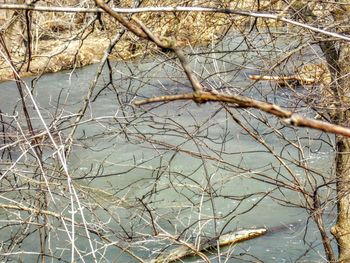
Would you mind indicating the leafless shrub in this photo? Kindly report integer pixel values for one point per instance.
(126, 160)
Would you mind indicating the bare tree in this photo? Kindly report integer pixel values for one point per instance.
(211, 128)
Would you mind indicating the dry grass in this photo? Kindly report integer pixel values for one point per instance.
(63, 41)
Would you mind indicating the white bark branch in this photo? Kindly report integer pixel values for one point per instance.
(277, 17)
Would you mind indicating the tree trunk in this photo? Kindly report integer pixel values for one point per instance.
(337, 55)
(341, 230)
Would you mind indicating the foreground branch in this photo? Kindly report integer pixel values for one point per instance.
(287, 116)
(264, 15)
(201, 96)
(140, 30)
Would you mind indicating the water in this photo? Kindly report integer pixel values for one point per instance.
(178, 169)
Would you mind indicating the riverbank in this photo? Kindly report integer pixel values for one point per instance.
(67, 41)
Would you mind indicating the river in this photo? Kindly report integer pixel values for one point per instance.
(217, 178)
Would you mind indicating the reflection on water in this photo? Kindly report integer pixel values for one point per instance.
(115, 166)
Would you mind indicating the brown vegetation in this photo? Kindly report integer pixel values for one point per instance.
(60, 41)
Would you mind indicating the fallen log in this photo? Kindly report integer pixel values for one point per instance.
(286, 80)
(230, 238)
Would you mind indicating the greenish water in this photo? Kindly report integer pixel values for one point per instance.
(186, 195)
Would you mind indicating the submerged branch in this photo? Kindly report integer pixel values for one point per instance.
(230, 238)
(285, 80)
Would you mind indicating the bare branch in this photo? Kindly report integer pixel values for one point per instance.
(114, 11)
(142, 31)
(241, 101)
